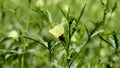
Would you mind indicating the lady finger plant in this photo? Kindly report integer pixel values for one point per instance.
(64, 32)
(63, 35)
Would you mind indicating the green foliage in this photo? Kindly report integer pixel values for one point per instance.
(59, 34)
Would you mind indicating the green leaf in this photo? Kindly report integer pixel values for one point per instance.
(107, 5)
(106, 41)
(102, 2)
(68, 13)
(55, 45)
(98, 25)
(83, 62)
(115, 6)
(93, 22)
(112, 42)
(42, 14)
(4, 39)
(115, 39)
(40, 42)
(49, 16)
(63, 11)
(12, 51)
(7, 56)
(96, 33)
(81, 13)
(87, 30)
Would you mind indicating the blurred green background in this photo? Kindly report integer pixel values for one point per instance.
(15, 14)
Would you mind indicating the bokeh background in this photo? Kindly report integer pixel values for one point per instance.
(15, 14)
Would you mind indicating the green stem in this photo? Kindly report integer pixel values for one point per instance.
(67, 57)
(69, 36)
(99, 57)
(50, 55)
(3, 12)
(22, 58)
(78, 53)
(22, 61)
(27, 23)
(50, 51)
(68, 46)
(25, 42)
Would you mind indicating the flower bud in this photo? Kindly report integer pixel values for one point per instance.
(13, 34)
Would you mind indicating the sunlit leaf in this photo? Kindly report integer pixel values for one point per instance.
(96, 33)
(7, 56)
(112, 41)
(49, 16)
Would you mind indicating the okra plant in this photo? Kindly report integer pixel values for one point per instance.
(41, 41)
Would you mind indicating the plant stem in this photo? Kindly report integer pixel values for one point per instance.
(50, 51)
(3, 12)
(25, 41)
(99, 56)
(68, 46)
(50, 56)
(67, 58)
(22, 58)
(78, 53)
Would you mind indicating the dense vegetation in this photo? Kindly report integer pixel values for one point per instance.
(59, 33)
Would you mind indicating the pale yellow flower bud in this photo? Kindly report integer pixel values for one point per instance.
(13, 34)
(40, 3)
